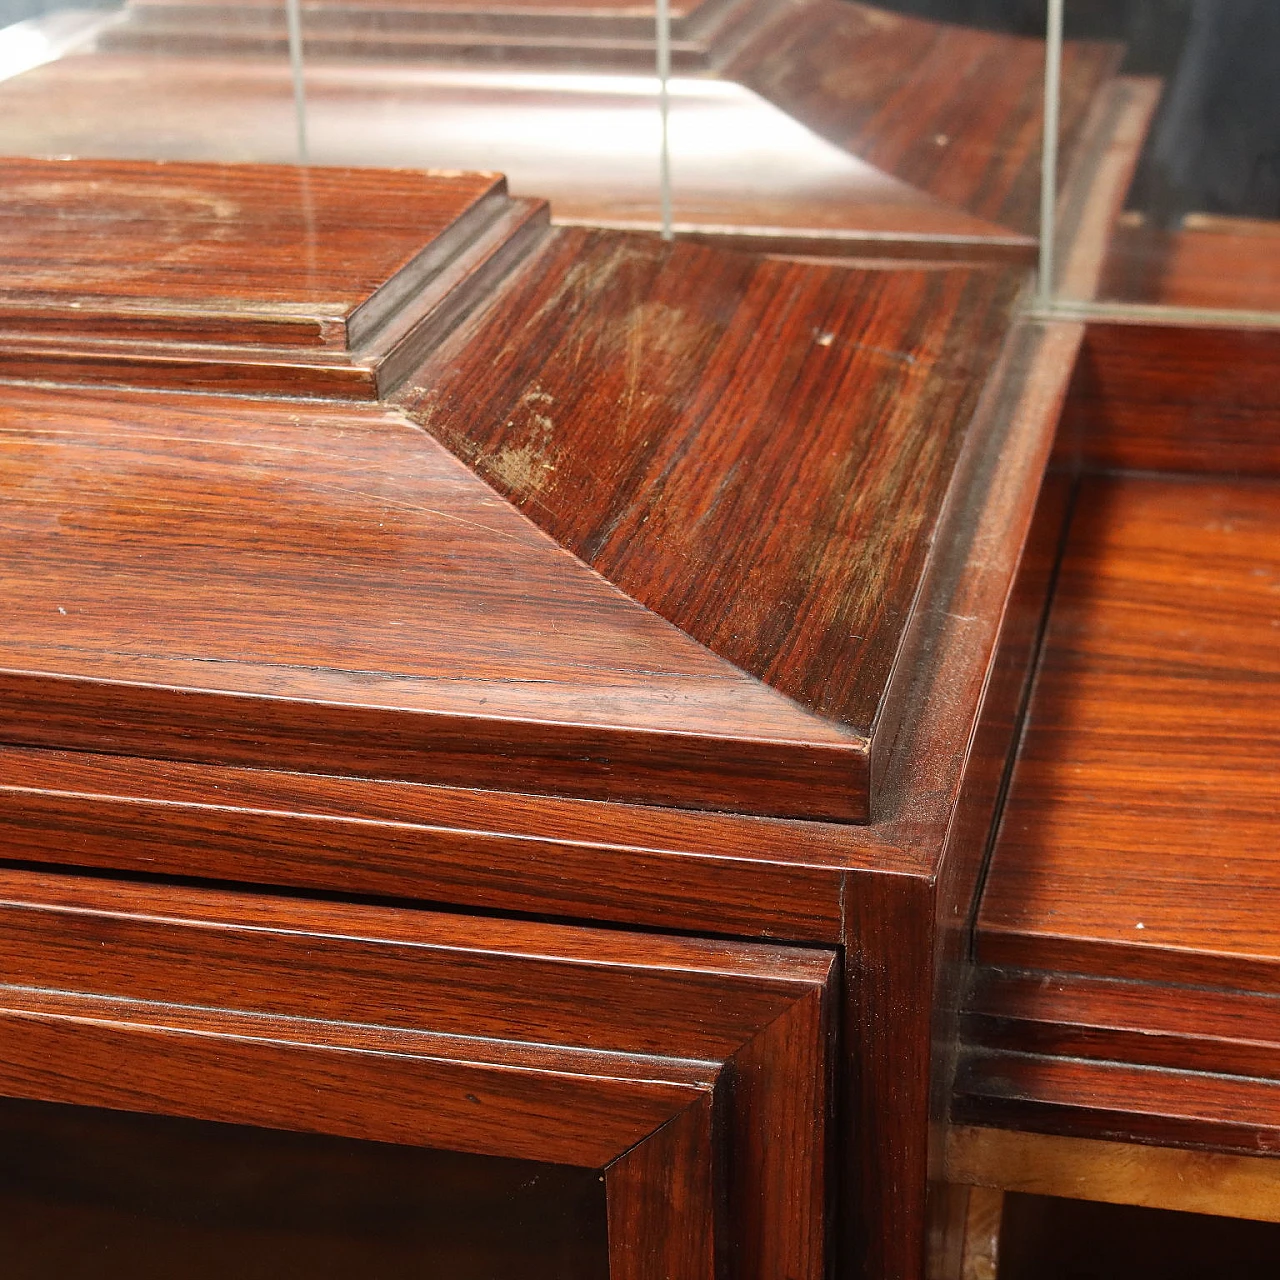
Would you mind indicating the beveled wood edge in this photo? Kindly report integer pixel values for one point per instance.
(1209, 1182)
(1093, 194)
(762, 1072)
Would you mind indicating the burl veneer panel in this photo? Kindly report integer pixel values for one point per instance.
(1139, 835)
(325, 588)
(756, 450)
(954, 111)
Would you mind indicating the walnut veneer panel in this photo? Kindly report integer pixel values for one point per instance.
(1139, 835)
(329, 589)
(757, 450)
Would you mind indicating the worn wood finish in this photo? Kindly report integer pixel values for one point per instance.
(1132, 846)
(243, 279)
(868, 887)
(892, 893)
(354, 661)
(1041, 1164)
(1176, 397)
(494, 1037)
(1118, 1102)
(782, 519)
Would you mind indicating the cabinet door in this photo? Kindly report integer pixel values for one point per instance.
(689, 1077)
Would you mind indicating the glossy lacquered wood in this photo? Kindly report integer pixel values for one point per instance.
(637, 1056)
(826, 127)
(1146, 1023)
(289, 494)
(1118, 1101)
(1138, 838)
(327, 589)
(755, 450)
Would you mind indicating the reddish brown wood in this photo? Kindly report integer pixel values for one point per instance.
(536, 1041)
(781, 519)
(243, 279)
(892, 893)
(1111, 1100)
(1176, 397)
(954, 111)
(1143, 1023)
(1208, 261)
(1139, 833)
(352, 660)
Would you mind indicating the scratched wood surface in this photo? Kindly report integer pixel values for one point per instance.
(230, 249)
(755, 450)
(1139, 835)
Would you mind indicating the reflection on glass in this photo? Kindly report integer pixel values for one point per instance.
(1200, 221)
(94, 1195)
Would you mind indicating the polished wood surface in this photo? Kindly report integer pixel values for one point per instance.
(603, 1050)
(892, 893)
(1206, 261)
(354, 660)
(1169, 396)
(1138, 838)
(743, 171)
(1116, 1101)
(780, 517)
(832, 127)
(243, 279)
(952, 110)
(1153, 1024)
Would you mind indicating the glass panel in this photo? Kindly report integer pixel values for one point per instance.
(1190, 217)
(902, 129)
(92, 1195)
(149, 79)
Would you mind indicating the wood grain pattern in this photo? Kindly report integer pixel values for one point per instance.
(781, 519)
(951, 110)
(1138, 839)
(243, 279)
(1207, 261)
(493, 1037)
(1232, 1186)
(1146, 1023)
(1116, 1101)
(1176, 397)
(354, 658)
